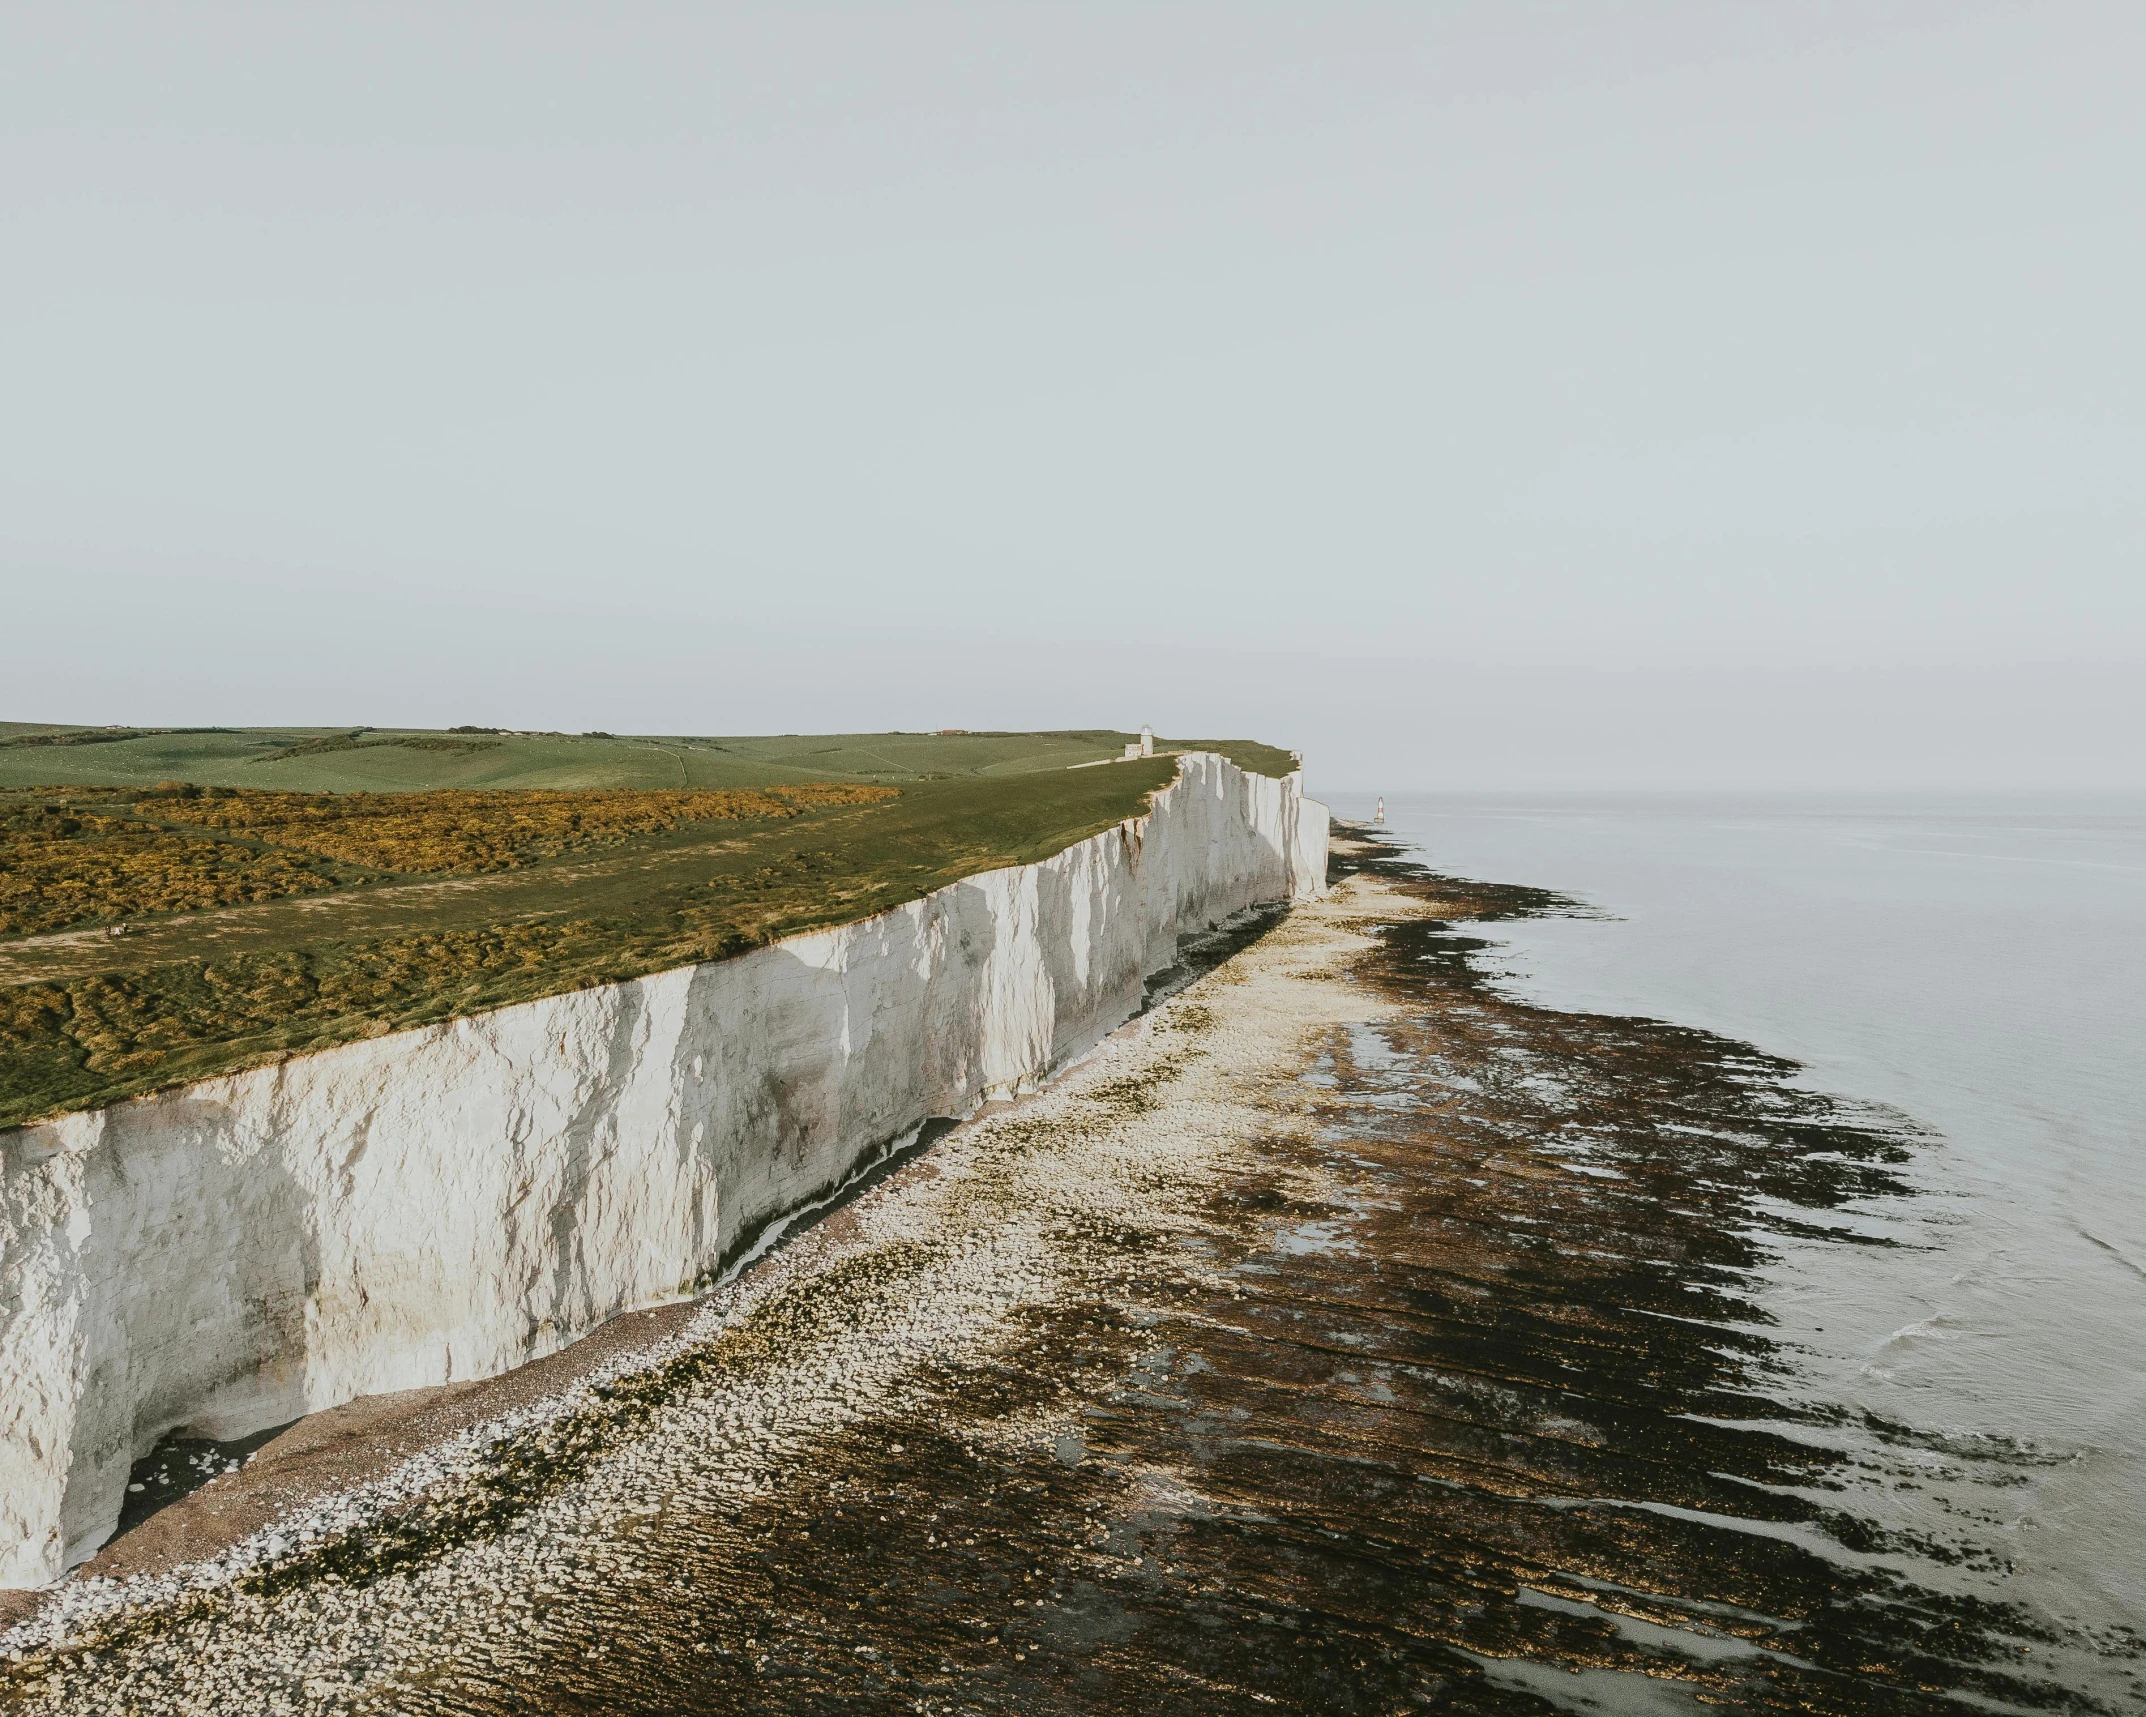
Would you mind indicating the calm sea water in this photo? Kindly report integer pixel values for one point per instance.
(1979, 966)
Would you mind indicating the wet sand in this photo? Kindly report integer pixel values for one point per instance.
(1344, 1337)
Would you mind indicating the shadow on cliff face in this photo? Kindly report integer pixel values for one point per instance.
(179, 1466)
(216, 1349)
(1200, 954)
(1196, 955)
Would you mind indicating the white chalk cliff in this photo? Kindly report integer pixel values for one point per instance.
(447, 1203)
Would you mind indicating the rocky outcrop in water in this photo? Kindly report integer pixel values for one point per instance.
(448, 1203)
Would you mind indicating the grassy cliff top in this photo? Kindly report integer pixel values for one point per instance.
(286, 890)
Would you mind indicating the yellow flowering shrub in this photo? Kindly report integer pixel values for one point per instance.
(469, 832)
(60, 867)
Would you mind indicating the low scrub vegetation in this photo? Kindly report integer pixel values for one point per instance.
(469, 833)
(356, 742)
(63, 864)
(85, 736)
(69, 860)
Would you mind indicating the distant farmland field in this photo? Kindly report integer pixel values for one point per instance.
(380, 760)
(285, 890)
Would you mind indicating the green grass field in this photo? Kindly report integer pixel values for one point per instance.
(382, 760)
(250, 938)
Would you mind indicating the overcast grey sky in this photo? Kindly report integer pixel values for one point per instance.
(1595, 394)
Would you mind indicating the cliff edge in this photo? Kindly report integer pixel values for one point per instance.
(447, 1203)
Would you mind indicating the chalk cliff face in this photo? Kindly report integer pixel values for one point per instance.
(447, 1203)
